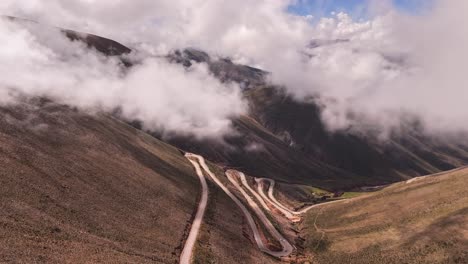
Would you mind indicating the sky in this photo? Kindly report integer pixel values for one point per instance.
(358, 9)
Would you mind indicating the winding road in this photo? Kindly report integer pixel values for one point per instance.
(198, 161)
(435, 174)
(288, 213)
(287, 247)
(186, 256)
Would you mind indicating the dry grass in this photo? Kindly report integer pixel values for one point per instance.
(421, 222)
(76, 188)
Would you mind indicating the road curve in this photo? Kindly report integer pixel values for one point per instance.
(246, 185)
(290, 214)
(285, 211)
(435, 174)
(287, 248)
(187, 252)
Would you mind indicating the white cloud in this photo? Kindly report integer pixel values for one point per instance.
(40, 61)
(393, 64)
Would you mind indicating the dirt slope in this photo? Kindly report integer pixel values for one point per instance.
(78, 188)
(422, 221)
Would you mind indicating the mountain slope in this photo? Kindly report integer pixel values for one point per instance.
(80, 188)
(285, 139)
(258, 152)
(83, 188)
(409, 153)
(423, 220)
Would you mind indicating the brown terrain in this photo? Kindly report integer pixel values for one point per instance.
(79, 188)
(424, 220)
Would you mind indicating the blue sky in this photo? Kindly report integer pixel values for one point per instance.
(356, 8)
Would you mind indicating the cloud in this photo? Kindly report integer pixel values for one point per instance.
(392, 66)
(41, 61)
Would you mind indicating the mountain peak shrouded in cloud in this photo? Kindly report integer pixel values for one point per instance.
(389, 66)
(42, 61)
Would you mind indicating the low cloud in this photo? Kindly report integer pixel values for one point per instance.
(41, 61)
(255, 147)
(385, 69)
(395, 66)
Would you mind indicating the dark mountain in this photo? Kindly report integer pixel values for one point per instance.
(103, 45)
(224, 69)
(410, 152)
(325, 42)
(106, 46)
(290, 139)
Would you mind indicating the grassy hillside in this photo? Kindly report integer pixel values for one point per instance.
(422, 221)
(82, 188)
(78, 188)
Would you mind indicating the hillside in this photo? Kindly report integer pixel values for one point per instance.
(423, 220)
(258, 152)
(82, 188)
(407, 153)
